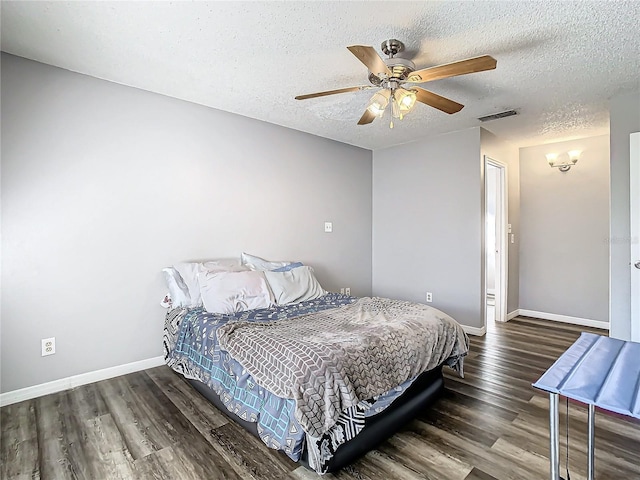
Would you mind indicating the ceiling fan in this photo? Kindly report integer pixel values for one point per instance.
(392, 76)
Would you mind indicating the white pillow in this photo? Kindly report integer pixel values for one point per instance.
(294, 286)
(257, 263)
(178, 291)
(230, 292)
(189, 272)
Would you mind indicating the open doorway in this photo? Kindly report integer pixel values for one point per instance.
(495, 242)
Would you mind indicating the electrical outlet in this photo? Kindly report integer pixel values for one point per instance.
(347, 291)
(429, 297)
(48, 346)
(328, 227)
(342, 291)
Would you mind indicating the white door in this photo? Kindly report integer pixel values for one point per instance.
(495, 255)
(634, 208)
(490, 228)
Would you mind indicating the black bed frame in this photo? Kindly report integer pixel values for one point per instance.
(425, 390)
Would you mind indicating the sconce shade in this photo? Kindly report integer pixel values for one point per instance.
(574, 155)
(551, 158)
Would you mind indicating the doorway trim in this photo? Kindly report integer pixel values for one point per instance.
(634, 230)
(502, 206)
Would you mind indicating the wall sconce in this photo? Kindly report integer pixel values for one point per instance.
(574, 156)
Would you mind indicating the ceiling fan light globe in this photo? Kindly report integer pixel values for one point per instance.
(395, 109)
(408, 101)
(376, 109)
(379, 102)
(405, 100)
(408, 98)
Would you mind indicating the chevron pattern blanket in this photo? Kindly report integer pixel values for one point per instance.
(331, 360)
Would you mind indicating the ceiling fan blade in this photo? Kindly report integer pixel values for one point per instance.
(333, 92)
(470, 65)
(371, 59)
(436, 101)
(367, 117)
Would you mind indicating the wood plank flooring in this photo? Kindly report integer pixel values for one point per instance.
(152, 425)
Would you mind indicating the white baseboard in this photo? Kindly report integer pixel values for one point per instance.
(476, 331)
(55, 386)
(585, 322)
(513, 314)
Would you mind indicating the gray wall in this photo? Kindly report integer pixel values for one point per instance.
(564, 249)
(427, 223)
(507, 153)
(624, 119)
(103, 185)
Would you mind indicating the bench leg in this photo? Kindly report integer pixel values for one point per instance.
(554, 437)
(591, 470)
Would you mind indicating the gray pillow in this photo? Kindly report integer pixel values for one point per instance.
(294, 286)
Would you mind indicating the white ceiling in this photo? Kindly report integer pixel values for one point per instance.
(558, 62)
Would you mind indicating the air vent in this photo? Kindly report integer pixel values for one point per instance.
(495, 116)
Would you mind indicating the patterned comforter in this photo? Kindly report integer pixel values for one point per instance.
(331, 360)
(192, 348)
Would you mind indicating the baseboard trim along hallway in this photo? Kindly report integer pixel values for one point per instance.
(585, 322)
(477, 331)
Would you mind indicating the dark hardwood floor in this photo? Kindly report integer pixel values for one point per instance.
(152, 425)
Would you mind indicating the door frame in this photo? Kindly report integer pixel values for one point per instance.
(634, 211)
(502, 209)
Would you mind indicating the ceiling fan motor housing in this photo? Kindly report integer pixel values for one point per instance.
(400, 68)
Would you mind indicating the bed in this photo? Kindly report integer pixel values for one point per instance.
(323, 379)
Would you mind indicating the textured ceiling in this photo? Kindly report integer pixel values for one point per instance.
(558, 62)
